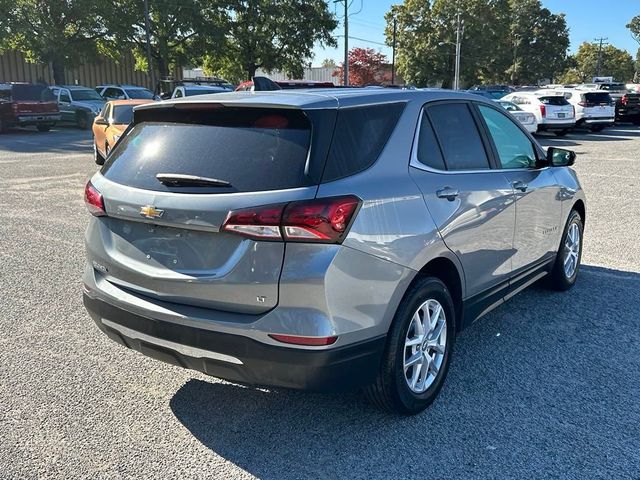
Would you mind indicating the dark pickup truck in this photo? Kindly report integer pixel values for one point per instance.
(23, 104)
(627, 102)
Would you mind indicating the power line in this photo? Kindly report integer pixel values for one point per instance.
(601, 41)
(364, 40)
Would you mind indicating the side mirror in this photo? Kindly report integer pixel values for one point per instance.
(559, 157)
(101, 121)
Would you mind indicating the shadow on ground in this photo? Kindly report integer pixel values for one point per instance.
(529, 392)
(57, 140)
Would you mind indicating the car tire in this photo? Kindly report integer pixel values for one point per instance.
(97, 157)
(392, 389)
(43, 128)
(82, 121)
(597, 128)
(561, 133)
(562, 278)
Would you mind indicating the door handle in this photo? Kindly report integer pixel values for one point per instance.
(448, 193)
(520, 185)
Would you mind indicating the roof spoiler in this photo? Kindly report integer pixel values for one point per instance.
(264, 84)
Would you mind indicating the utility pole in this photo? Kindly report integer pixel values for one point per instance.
(345, 66)
(393, 54)
(601, 41)
(147, 28)
(459, 33)
(515, 59)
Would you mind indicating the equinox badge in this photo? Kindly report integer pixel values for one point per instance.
(149, 211)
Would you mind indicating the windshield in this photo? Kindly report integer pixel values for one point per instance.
(85, 94)
(140, 93)
(123, 114)
(39, 93)
(252, 149)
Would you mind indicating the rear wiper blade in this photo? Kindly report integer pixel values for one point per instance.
(183, 180)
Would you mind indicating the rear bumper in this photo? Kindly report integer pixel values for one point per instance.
(36, 118)
(556, 125)
(238, 358)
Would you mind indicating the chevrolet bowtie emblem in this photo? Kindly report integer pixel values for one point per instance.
(149, 211)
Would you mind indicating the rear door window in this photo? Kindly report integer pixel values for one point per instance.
(429, 153)
(254, 149)
(459, 137)
(359, 137)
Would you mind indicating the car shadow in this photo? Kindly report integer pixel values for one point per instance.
(57, 140)
(547, 383)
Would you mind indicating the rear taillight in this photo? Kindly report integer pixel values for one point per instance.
(624, 100)
(543, 110)
(323, 220)
(93, 200)
(259, 222)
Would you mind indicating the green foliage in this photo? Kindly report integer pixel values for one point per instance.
(503, 41)
(328, 63)
(615, 62)
(179, 30)
(634, 27)
(271, 35)
(61, 32)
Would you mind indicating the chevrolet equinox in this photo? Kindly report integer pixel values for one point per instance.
(326, 239)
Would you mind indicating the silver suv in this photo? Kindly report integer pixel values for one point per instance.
(324, 240)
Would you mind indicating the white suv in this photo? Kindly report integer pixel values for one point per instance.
(553, 112)
(595, 109)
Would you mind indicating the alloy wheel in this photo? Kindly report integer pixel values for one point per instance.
(424, 346)
(571, 250)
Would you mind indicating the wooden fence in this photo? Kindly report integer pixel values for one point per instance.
(14, 68)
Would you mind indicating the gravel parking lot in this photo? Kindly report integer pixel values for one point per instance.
(546, 386)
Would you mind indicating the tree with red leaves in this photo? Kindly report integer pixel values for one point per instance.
(366, 67)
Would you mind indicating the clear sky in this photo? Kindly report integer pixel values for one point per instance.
(587, 19)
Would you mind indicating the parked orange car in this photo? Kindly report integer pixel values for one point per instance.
(114, 118)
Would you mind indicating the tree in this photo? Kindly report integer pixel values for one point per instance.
(366, 67)
(542, 41)
(502, 41)
(271, 35)
(328, 63)
(634, 27)
(63, 33)
(615, 62)
(179, 30)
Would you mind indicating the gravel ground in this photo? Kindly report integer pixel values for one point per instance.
(546, 386)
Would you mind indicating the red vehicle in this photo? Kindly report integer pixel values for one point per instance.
(23, 104)
(252, 85)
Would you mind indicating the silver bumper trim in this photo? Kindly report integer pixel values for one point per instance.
(178, 347)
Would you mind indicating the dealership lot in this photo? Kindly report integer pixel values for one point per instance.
(544, 386)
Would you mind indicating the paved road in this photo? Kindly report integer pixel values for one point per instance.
(546, 386)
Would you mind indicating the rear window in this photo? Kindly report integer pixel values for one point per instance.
(555, 100)
(254, 149)
(614, 87)
(38, 93)
(360, 135)
(598, 98)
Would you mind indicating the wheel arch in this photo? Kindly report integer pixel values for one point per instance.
(579, 207)
(450, 273)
